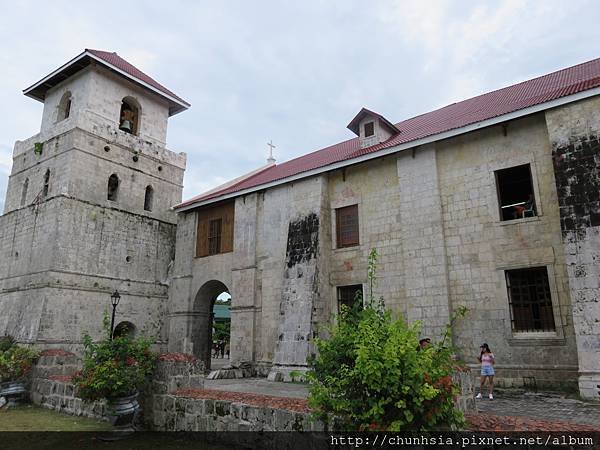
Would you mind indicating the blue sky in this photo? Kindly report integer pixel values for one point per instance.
(294, 72)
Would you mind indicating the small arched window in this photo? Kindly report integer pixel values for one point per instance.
(113, 187)
(24, 191)
(46, 187)
(64, 107)
(148, 198)
(129, 115)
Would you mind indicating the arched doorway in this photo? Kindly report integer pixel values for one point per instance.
(209, 327)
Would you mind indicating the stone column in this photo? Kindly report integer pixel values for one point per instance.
(243, 275)
(301, 294)
(574, 132)
(423, 241)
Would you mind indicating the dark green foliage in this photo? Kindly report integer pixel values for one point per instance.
(222, 330)
(114, 368)
(15, 361)
(371, 374)
(6, 342)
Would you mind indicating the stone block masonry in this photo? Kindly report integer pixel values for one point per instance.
(300, 287)
(574, 132)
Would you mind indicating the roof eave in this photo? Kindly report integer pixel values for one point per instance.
(175, 105)
(407, 145)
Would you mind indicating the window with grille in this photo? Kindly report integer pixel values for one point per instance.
(369, 129)
(349, 295)
(347, 226)
(530, 300)
(214, 236)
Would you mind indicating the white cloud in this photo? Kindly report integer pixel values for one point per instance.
(294, 72)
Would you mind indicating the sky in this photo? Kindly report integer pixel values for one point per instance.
(292, 72)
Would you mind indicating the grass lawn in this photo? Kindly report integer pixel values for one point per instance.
(32, 428)
(32, 418)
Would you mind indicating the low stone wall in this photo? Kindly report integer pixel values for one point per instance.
(62, 396)
(465, 400)
(51, 385)
(177, 401)
(180, 413)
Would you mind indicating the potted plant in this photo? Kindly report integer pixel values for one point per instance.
(116, 370)
(15, 364)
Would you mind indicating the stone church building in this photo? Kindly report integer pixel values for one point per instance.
(492, 203)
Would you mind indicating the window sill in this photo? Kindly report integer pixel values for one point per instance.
(532, 339)
(346, 249)
(216, 254)
(518, 221)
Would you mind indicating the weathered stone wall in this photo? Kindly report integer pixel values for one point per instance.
(574, 132)
(373, 187)
(433, 215)
(51, 385)
(176, 401)
(96, 96)
(189, 414)
(65, 252)
(254, 275)
(423, 241)
(80, 164)
(480, 247)
(63, 260)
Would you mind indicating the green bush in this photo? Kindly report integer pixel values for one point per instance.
(15, 361)
(6, 342)
(372, 375)
(114, 368)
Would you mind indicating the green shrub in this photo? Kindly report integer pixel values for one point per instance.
(15, 361)
(6, 342)
(372, 375)
(114, 368)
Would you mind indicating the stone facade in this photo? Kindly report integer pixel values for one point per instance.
(66, 247)
(574, 133)
(433, 214)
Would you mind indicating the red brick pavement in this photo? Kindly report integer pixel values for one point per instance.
(487, 422)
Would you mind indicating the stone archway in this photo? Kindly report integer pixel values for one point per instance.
(202, 325)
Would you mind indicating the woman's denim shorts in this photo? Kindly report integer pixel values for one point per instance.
(487, 371)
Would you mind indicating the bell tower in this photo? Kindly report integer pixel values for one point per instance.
(88, 205)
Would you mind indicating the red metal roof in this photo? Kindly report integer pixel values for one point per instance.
(115, 60)
(457, 115)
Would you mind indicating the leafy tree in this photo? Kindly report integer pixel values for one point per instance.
(371, 374)
(114, 368)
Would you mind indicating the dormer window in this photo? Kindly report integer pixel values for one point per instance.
(129, 115)
(372, 128)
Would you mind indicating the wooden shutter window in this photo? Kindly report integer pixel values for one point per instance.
(347, 226)
(214, 236)
(215, 230)
(228, 222)
(201, 236)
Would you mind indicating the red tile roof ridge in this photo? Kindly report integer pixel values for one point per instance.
(113, 58)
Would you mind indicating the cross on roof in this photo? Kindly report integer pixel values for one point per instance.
(270, 159)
